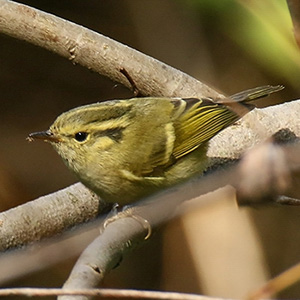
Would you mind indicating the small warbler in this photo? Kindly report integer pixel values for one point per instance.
(125, 150)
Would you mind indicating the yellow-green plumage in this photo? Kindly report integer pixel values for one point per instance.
(125, 150)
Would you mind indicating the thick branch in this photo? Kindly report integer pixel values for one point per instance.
(97, 52)
(255, 128)
(48, 216)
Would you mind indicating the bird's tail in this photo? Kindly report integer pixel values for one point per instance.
(239, 102)
(255, 93)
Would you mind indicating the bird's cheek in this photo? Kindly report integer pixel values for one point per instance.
(68, 154)
(103, 144)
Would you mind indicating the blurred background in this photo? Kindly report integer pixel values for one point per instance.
(230, 45)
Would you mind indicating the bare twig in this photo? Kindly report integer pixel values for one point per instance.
(285, 200)
(107, 293)
(277, 284)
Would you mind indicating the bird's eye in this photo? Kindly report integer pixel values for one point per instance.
(80, 136)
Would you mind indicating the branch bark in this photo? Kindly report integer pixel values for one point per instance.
(48, 216)
(107, 293)
(97, 52)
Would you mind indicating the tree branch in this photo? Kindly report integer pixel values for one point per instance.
(107, 293)
(48, 216)
(97, 52)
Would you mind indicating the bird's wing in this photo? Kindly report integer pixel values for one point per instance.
(192, 123)
(196, 121)
(201, 120)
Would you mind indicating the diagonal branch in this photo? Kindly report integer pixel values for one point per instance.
(97, 52)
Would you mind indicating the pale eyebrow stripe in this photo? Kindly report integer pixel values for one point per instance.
(110, 124)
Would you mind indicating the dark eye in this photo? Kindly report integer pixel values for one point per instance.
(81, 136)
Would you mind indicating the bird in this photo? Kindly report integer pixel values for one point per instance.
(126, 150)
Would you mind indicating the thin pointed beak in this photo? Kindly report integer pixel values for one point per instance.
(46, 136)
